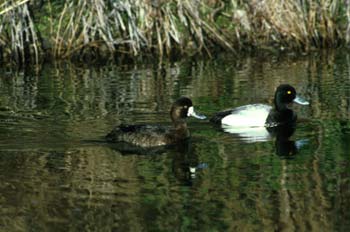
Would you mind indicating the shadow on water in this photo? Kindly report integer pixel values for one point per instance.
(52, 180)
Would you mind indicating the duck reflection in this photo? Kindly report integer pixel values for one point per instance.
(186, 164)
(129, 149)
(282, 134)
(185, 161)
(284, 146)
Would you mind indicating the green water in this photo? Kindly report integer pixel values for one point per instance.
(57, 174)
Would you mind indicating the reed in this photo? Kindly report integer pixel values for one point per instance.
(103, 28)
(18, 37)
(135, 26)
(302, 24)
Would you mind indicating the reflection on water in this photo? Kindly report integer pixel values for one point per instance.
(56, 173)
(249, 134)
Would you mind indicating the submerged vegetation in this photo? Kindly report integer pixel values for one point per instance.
(86, 29)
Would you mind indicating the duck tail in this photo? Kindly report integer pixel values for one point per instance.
(215, 119)
(219, 116)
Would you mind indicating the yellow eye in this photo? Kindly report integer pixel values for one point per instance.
(289, 92)
(185, 106)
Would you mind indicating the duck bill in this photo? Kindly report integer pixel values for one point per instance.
(301, 101)
(192, 113)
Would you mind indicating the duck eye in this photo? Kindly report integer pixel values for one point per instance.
(289, 92)
(185, 107)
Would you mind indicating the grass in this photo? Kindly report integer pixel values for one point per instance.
(95, 29)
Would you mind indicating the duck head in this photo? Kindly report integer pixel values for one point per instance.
(285, 95)
(183, 108)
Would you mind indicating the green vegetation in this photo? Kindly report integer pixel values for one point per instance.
(101, 29)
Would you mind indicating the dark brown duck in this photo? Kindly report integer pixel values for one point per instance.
(155, 135)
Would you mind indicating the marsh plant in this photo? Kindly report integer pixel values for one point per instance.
(18, 36)
(30, 30)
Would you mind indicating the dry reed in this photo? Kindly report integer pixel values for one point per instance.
(18, 36)
(133, 26)
(302, 24)
(101, 28)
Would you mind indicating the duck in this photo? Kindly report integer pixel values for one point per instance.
(146, 136)
(255, 119)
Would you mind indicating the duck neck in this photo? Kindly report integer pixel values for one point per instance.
(280, 107)
(283, 110)
(179, 123)
(181, 129)
(284, 114)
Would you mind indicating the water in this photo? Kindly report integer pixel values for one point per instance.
(57, 174)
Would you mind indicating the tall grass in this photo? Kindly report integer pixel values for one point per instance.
(101, 28)
(18, 36)
(134, 26)
(302, 24)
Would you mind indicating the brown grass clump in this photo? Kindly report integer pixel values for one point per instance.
(102, 28)
(301, 24)
(133, 26)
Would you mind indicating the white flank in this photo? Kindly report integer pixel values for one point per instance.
(248, 122)
(247, 116)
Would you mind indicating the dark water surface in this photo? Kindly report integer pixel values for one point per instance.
(56, 174)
